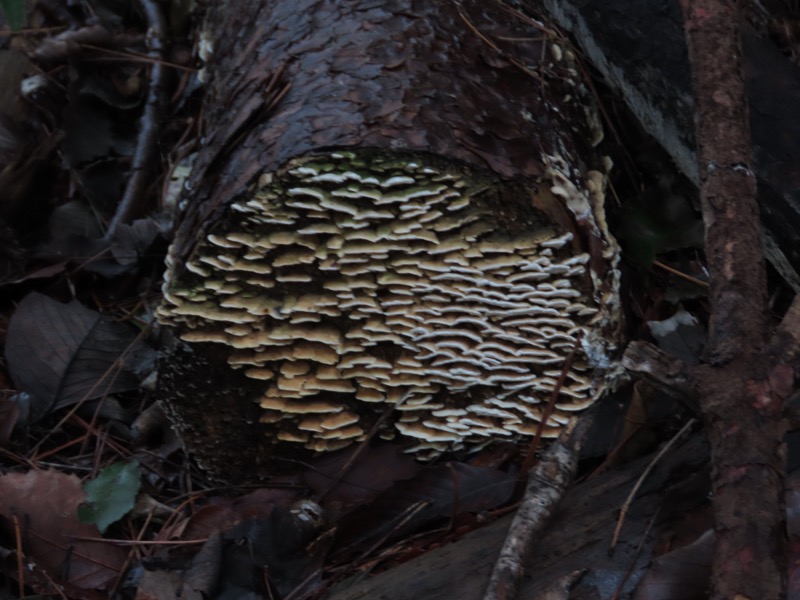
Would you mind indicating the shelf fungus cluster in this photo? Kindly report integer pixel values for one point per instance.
(435, 302)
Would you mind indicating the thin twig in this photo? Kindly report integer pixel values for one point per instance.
(545, 488)
(148, 123)
(20, 557)
(681, 274)
(629, 500)
(137, 542)
(133, 551)
(399, 522)
(550, 407)
(632, 565)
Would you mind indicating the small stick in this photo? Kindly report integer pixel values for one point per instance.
(20, 557)
(549, 408)
(629, 500)
(635, 557)
(546, 486)
(148, 123)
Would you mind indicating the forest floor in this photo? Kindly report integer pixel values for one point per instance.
(97, 498)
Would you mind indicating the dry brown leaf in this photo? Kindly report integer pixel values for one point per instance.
(45, 504)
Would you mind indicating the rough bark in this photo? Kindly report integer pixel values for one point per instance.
(388, 75)
(743, 412)
(744, 382)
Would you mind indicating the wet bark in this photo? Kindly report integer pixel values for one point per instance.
(742, 407)
(288, 78)
(745, 380)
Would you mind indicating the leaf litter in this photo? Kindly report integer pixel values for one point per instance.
(43, 506)
(111, 495)
(63, 354)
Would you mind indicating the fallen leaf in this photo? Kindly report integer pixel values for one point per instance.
(111, 495)
(130, 242)
(43, 273)
(45, 504)
(373, 471)
(64, 353)
(683, 573)
(276, 546)
(161, 585)
(223, 514)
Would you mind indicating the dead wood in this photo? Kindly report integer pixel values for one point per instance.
(578, 539)
(253, 133)
(742, 406)
(463, 82)
(547, 483)
(745, 379)
(149, 122)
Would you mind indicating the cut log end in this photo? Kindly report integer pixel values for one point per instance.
(354, 280)
(410, 227)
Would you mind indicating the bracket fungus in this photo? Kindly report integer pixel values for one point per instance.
(461, 329)
(428, 282)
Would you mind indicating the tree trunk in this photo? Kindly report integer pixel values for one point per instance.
(320, 115)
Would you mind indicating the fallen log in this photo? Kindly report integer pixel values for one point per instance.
(358, 252)
(578, 540)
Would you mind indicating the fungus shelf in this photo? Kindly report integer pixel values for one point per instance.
(437, 264)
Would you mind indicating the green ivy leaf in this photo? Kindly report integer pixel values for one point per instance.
(14, 10)
(111, 495)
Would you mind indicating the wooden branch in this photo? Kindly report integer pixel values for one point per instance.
(659, 369)
(149, 122)
(546, 486)
(727, 183)
(742, 412)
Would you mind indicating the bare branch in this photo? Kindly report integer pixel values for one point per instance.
(148, 123)
(727, 184)
(742, 409)
(546, 486)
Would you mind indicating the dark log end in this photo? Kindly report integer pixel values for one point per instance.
(419, 231)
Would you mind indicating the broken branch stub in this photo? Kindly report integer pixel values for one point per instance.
(417, 223)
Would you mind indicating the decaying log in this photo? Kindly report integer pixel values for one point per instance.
(377, 183)
(644, 60)
(577, 540)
